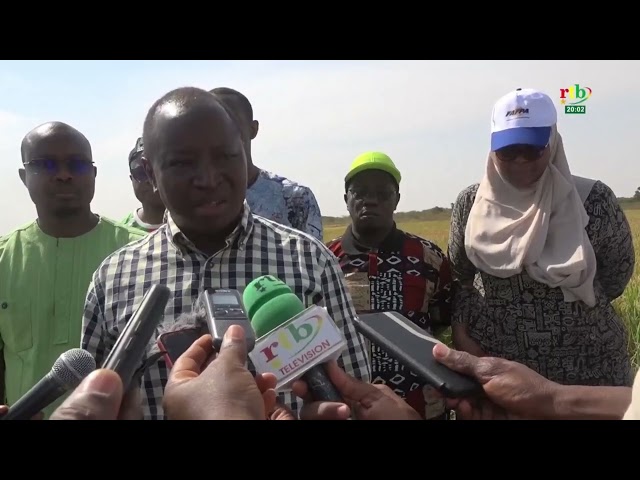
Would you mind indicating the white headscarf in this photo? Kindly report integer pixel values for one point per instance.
(540, 229)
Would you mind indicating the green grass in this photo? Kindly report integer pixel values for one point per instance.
(628, 305)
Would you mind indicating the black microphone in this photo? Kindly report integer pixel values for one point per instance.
(130, 347)
(66, 374)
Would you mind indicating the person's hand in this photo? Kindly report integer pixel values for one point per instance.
(367, 401)
(512, 390)
(5, 408)
(281, 412)
(100, 397)
(463, 341)
(202, 386)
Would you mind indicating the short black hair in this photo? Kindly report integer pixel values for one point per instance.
(185, 97)
(225, 94)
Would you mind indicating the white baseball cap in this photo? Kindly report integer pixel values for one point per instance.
(522, 117)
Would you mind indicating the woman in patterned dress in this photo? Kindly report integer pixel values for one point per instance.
(538, 255)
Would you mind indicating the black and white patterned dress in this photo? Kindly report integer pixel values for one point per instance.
(520, 319)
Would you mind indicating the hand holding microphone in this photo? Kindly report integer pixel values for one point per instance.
(368, 401)
(66, 374)
(100, 396)
(5, 408)
(206, 386)
(293, 342)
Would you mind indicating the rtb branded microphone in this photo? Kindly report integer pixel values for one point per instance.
(293, 342)
(66, 374)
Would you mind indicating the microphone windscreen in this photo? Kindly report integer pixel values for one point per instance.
(72, 367)
(195, 319)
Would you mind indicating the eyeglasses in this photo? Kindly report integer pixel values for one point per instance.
(76, 166)
(379, 195)
(139, 174)
(528, 152)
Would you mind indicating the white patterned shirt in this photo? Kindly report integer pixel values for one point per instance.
(256, 247)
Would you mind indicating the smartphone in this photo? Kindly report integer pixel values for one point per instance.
(174, 344)
(127, 354)
(413, 347)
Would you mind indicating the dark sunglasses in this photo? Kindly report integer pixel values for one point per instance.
(528, 152)
(380, 195)
(139, 174)
(51, 167)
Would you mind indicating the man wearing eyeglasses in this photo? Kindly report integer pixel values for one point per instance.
(46, 265)
(390, 270)
(151, 213)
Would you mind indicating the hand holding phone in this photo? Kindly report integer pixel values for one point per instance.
(413, 347)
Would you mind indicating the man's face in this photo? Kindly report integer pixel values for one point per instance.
(142, 187)
(371, 199)
(522, 165)
(199, 167)
(59, 174)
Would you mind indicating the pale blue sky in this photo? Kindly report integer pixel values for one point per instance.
(431, 117)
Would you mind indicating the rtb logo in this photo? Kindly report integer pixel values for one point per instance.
(574, 97)
(294, 338)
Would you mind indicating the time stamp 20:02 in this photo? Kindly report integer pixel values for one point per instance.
(575, 109)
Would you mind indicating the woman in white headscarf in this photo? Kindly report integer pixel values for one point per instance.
(539, 254)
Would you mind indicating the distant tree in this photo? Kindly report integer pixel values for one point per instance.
(637, 194)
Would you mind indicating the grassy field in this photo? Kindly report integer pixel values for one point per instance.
(628, 305)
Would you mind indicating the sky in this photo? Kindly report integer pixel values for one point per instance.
(431, 117)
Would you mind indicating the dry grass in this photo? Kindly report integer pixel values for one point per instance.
(628, 305)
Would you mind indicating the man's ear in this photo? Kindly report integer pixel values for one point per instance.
(255, 126)
(95, 172)
(23, 176)
(397, 201)
(345, 199)
(148, 169)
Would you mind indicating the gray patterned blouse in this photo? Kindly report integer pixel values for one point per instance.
(520, 319)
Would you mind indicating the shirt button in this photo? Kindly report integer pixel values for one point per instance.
(4, 305)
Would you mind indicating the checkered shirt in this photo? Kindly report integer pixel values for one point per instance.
(256, 247)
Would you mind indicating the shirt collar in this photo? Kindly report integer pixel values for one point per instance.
(240, 234)
(351, 246)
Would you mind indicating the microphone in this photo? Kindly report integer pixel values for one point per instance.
(176, 338)
(293, 342)
(66, 374)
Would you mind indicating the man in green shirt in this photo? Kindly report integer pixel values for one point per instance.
(47, 265)
(151, 214)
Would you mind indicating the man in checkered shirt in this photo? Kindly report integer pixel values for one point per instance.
(195, 159)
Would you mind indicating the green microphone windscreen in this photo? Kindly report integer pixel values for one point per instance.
(269, 303)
